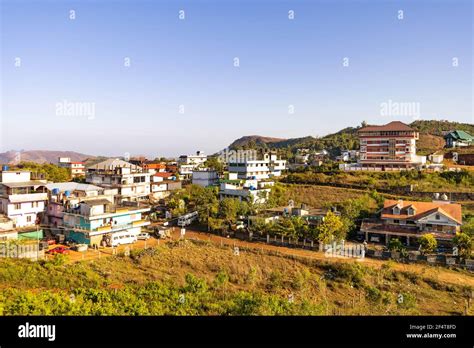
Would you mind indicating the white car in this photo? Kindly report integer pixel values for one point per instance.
(143, 236)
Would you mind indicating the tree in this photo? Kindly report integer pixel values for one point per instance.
(228, 209)
(428, 243)
(51, 172)
(215, 164)
(395, 245)
(332, 228)
(463, 242)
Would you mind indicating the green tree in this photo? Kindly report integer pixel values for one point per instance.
(215, 164)
(228, 210)
(395, 245)
(332, 228)
(428, 243)
(463, 242)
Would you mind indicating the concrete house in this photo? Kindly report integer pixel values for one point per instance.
(22, 200)
(131, 181)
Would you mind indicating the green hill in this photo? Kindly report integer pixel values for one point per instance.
(431, 139)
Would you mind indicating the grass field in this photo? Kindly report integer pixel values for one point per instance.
(198, 278)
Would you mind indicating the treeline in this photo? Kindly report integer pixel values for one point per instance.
(50, 171)
(385, 181)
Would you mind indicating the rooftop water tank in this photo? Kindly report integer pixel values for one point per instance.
(55, 191)
(4, 167)
(67, 193)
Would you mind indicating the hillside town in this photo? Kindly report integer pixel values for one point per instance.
(235, 193)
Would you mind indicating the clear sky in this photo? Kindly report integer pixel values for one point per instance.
(286, 65)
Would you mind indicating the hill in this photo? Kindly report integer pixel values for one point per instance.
(200, 278)
(431, 139)
(40, 156)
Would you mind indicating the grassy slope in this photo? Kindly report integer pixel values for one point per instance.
(251, 283)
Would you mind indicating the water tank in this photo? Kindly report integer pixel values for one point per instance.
(252, 188)
(67, 193)
(436, 195)
(55, 191)
(4, 168)
(444, 197)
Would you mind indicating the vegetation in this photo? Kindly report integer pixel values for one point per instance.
(462, 181)
(463, 242)
(51, 172)
(196, 278)
(431, 139)
(428, 243)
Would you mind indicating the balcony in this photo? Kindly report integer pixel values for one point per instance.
(28, 197)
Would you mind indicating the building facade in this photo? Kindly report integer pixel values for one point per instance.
(409, 220)
(391, 146)
(131, 181)
(78, 168)
(22, 200)
(94, 222)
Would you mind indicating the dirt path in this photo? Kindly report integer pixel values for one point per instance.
(439, 273)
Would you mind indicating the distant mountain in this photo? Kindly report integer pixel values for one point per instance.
(41, 156)
(431, 139)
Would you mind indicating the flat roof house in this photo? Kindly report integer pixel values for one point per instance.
(21, 199)
(95, 221)
(131, 181)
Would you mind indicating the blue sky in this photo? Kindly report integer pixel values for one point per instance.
(190, 62)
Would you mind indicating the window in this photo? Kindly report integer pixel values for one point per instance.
(396, 221)
(17, 206)
(438, 217)
(28, 218)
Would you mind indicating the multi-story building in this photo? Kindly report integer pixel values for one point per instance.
(391, 146)
(96, 221)
(22, 200)
(265, 168)
(256, 191)
(205, 178)
(162, 184)
(65, 194)
(409, 220)
(77, 169)
(131, 181)
(188, 163)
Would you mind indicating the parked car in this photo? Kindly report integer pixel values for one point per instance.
(143, 236)
(59, 250)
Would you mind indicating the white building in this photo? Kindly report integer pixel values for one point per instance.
(205, 178)
(77, 168)
(188, 163)
(63, 195)
(256, 191)
(22, 199)
(131, 181)
(265, 168)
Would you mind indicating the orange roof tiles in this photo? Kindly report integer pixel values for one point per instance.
(451, 210)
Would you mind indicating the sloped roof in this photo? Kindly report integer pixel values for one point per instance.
(460, 135)
(112, 164)
(392, 126)
(422, 209)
